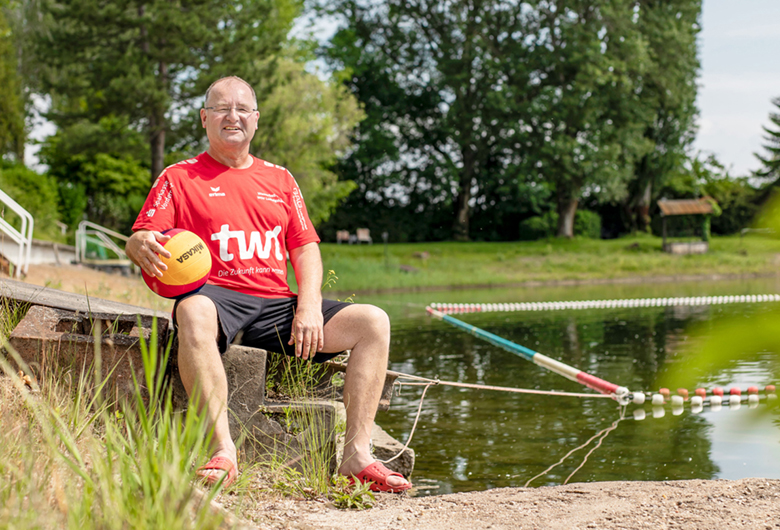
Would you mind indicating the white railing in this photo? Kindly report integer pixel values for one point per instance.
(89, 232)
(23, 237)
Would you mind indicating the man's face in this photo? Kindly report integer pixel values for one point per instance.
(230, 122)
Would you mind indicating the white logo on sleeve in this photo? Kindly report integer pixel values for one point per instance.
(255, 243)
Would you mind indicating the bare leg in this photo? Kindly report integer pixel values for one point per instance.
(200, 365)
(365, 330)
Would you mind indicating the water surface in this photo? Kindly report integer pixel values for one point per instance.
(471, 440)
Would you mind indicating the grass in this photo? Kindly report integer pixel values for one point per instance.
(367, 268)
(69, 458)
(312, 476)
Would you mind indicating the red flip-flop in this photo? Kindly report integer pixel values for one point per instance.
(376, 475)
(222, 464)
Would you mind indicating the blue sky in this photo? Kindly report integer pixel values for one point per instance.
(740, 73)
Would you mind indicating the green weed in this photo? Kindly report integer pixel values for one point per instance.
(348, 496)
(72, 458)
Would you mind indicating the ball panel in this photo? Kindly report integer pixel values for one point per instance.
(173, 291)
(188, 267)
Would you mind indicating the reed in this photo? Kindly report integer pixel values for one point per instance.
(71, 458)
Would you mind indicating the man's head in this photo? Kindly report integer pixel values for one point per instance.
(230, 114)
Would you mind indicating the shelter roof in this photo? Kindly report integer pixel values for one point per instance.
(686, 206)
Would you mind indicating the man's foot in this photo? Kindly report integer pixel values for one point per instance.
(218, 467)
(381, 478)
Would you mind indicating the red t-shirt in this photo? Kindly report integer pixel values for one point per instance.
(249, 218)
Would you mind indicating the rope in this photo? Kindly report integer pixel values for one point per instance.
(606, 304)
(427, 383)
(603, 433)
(419, 409)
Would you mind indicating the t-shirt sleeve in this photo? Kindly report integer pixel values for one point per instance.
(159, 210)
(300, 230)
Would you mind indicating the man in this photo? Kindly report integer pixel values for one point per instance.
(250, 213)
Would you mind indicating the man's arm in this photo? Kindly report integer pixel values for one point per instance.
(307, 328)
(143, 248)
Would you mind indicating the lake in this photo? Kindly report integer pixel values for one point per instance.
(470, 440)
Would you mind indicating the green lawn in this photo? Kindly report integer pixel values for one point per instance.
(418, 265)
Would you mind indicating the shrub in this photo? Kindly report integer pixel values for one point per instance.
(37, 194)
(586, 224)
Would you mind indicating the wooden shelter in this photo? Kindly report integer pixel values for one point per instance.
(703, 206)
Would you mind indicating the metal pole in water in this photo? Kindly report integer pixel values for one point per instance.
(569, 372)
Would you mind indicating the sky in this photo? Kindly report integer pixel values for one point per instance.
(739, 51)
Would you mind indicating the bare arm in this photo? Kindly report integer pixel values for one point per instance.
(143, 248)
(307, 329)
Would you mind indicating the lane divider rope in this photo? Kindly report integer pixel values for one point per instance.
(605, 304)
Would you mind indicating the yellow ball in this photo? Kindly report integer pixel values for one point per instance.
(188, 267)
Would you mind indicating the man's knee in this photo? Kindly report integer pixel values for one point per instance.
(376, 320)
(196, 319)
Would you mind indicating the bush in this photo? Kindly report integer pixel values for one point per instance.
(37, 194)
(586, 224)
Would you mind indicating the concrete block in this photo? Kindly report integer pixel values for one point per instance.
(47, 338)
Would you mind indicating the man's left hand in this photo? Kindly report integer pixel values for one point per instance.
(307, 332)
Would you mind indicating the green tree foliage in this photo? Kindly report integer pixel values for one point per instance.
(145, 61)
(305, 125)
(667, 93)
(438, 82)
(35, 193)
(12, 107)
(490, 109)
(99, 173)
(771, 160)
(587, 123)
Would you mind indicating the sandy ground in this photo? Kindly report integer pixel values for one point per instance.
(695, 504)
(699, 504)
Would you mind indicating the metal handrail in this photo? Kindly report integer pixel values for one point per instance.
(102, 234)
(18, 236)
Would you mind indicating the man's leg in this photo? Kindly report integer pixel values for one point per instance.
(365, 330)
(200, 365)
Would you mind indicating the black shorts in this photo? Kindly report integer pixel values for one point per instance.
(265, 323)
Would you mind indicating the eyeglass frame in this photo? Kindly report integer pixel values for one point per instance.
(229, 109)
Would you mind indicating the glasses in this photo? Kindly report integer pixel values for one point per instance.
(224, 111)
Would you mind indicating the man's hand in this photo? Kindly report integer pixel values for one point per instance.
(307, 334)
(143, 248)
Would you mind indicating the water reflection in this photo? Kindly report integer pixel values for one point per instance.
(474, 439)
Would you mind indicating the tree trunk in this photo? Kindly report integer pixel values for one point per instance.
(643, 208)
(460, 227)
(156, 116)
(157, 143)
(567, 207)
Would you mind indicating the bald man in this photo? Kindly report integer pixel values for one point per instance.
(251, 214)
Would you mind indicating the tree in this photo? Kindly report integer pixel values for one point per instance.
(305, 125)
(147, 61)
(438, 82)
(667, 92)
(771, 161)
(487, 106)
(98, 171)
(586, 123)
(12, 107)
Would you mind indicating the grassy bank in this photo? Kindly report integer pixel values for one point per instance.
(420, 265)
